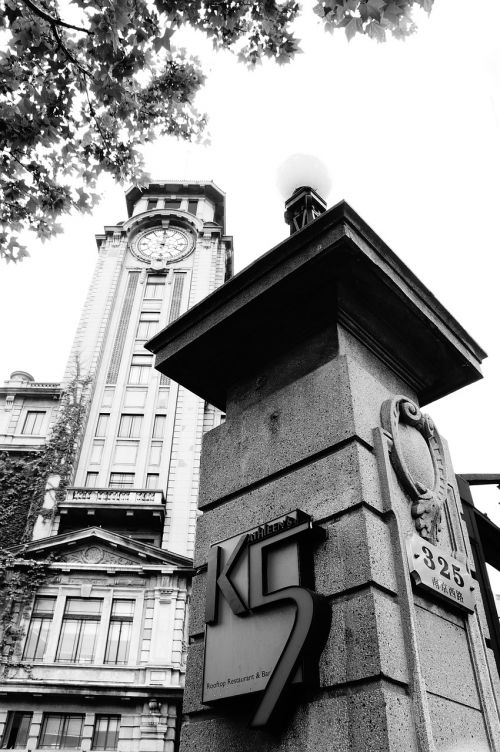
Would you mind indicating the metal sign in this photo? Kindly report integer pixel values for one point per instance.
(434, 570)
(264, 629)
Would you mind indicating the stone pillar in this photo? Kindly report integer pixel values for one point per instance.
(321, 353)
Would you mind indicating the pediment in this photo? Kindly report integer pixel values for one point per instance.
(98, 547)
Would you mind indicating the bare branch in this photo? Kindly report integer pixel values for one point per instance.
(51, 20)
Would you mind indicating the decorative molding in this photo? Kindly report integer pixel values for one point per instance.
(95, 555)
(427, 500)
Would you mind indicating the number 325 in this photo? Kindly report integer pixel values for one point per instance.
(445, 567)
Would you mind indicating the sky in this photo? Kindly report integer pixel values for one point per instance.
(410, 135)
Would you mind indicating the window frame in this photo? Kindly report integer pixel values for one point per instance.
(142, 366)
(120, 619)
(129, 426)
(41, 617)
(11, 714)
(63, 728)
(154, 285)
(29, 414)
(81, 619)
(100, 430)
(121, 485)
(160, 419)
(100, 717)
(149, 318)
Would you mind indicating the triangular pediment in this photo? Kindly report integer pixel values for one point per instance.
(94, 546)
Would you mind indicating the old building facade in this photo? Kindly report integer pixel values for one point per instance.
(100, 658)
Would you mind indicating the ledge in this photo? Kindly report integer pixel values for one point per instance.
(334, 271)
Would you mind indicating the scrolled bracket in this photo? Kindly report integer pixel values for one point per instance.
(427, 502)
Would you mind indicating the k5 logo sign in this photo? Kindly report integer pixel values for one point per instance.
(264, 628)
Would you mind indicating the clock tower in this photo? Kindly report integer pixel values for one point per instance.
(143, 431)
(105, 635)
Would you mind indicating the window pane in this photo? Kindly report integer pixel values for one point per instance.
(38, 630)
(113, 642)
(172, 203)
(148, 324)
(121, 480)
(68, 641)
(192, 206)
(152, 203)
(152, 480)
(72, 732)
(16, 729)
(33, 423)
(88, 636)
(102, 424)
(50, 735)
(44, 605)
(36, 642)
(91, 480)
(122, 607)
(159, 426)
(106, 732)
(155, 286)
(85, 606)
(130, 426)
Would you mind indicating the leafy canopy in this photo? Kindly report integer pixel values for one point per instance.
(84, 83)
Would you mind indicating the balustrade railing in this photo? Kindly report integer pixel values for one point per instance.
(115, 495)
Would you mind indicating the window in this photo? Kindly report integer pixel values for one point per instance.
(172, 204)
(16, 729)
(106, 731)
(148, 324)
(61, 730)
(120, 629)
(155, 286)
(159, 426)
(38, 630)
(140, 369)
(152, 203)
(152, 480)
(79, 630)
(102, 425)
(130, 426)
(192, 206)
(91, 480)
(33, 422)
(121, 480)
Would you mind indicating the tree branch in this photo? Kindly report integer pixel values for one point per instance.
(51, 20)
(68, 54)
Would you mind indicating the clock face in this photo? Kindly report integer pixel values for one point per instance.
(168, 243)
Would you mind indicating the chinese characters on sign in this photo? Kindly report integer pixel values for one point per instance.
(264, 629)
(437, 571)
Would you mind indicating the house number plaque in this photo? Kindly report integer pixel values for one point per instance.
(434, 570)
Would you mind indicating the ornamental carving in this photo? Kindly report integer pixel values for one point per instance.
(418, 460)
(95, 555)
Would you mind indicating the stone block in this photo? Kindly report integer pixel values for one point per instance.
(365, 640)
(287, 426)
(457, 728)
(357, 550)
(321, 488)
(445, 658)
(194, 679)
(365, 718)
(197, 605)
